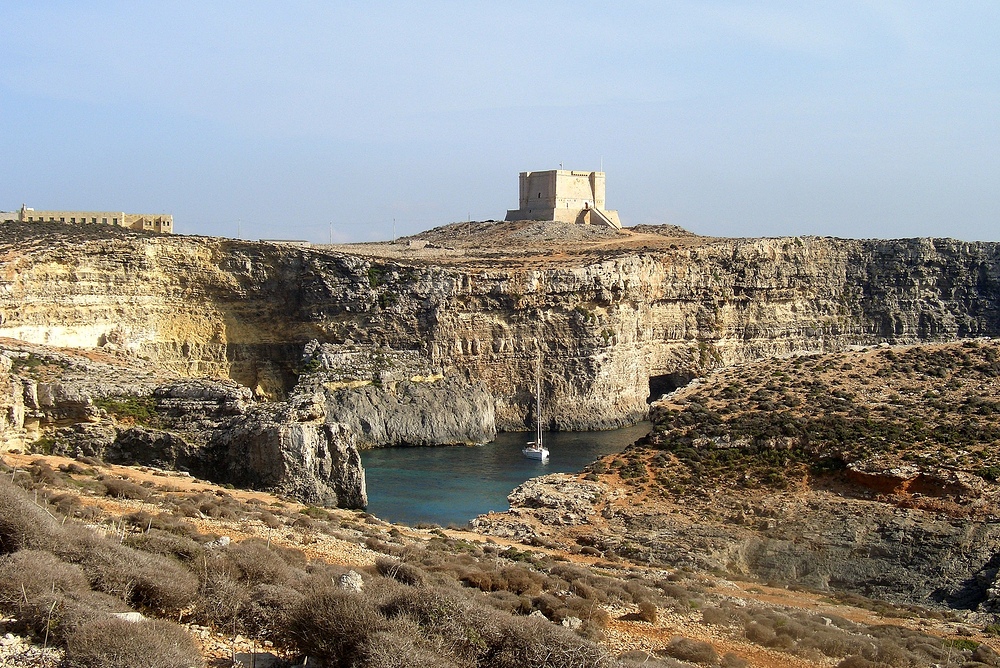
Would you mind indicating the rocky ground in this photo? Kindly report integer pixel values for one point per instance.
(354, 540)
(871, 472)
(534, 243)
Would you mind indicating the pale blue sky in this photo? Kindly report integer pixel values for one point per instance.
(842, 118)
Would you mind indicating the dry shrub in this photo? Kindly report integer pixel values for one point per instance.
(640, 659)
(674, 591)
(695, 651)
(219, 506)
(648, 612)
(269, 519)
(268, 611)
(570, 572)
(223, 599)
(31, 573)
(639, 591)
(509, 602)
(45, 475)
(156, 541)
(113, 643)
(482, 580)
(247, 586)
(547, 604)
(465, 629)
(75, 469)
(856, 661)
(138, 578)
(187, 509)
(67, 504)
(731, 660)
(257, 563)
(716, 616)
(521, 580)
(584, 590)
(393, 649)
(34, 587)
(23, 525)
(406, 573)
(588, 611)
(170, 522)
(334, 625)
(833, 642)
(524, 642)
(292, 556)
(123, 489)
(987, 655)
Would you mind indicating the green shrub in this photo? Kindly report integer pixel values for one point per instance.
(135, 410)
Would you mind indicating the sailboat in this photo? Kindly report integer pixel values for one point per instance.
(536, 449)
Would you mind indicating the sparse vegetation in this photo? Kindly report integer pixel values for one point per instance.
(131, 410)
(773, 428)
(437, 602)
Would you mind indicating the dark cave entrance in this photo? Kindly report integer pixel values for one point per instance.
(667, 383)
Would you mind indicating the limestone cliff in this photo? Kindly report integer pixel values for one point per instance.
(64, 402)
(601, 325)
(393, 397)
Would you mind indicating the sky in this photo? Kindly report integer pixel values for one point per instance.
(358, 121)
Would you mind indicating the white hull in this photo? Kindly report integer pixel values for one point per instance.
(541, 454)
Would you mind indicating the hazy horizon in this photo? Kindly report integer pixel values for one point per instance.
(848, 119)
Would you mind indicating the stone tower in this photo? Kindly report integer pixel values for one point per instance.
(564, 195)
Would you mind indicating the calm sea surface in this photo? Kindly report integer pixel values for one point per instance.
(452, 485)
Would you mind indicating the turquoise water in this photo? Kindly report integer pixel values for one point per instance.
(452, 485)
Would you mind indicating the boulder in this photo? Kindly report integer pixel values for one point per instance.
(312, 461)
(351, 581)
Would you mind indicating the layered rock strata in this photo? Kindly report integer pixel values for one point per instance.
(68, 404)
(599, 326)
(390, 398)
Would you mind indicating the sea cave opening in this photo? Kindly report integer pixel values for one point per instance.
(667, 383)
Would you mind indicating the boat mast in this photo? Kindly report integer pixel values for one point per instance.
(538, 400)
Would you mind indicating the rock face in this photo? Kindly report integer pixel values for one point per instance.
(392, 398)
(12, 430)
(316, 462)
(212, 428)
(817, 539)
(601, 328)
